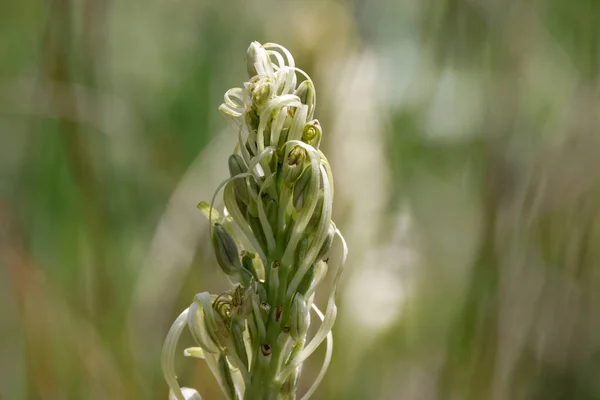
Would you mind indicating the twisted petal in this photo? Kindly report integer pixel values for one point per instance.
(319, 238)
(168, 355)
(326, 360)
(199, 330)
(322, 333)
(309, 204)
(265, 115)
(326, 325)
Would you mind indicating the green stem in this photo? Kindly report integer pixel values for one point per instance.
(263, 385)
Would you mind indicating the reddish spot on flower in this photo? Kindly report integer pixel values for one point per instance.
(266, 349)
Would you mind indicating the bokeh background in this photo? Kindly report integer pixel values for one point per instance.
(464, 139)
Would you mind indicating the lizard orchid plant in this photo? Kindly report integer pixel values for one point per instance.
(272, 240)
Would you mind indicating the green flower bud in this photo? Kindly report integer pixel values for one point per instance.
(252, 55)
(293, 164)
(306, 93)
(299, 317)
(226, 251)
(238, 166)
(301, 186)
(257, 230)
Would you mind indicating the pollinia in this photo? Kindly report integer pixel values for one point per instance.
(272, 240)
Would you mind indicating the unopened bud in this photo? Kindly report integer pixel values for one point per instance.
(226, 250)
(293, 164)
(237, 166)
(252, 54)
(257, 230)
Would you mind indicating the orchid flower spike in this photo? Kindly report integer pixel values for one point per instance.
(272, 240)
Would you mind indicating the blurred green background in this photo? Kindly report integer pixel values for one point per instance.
(464, 139)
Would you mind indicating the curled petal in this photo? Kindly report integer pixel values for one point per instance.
(319, 237)
(327, 324)
(199, 329)
(168, 355)
(326, 360)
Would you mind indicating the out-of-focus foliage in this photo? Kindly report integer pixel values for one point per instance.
(464, 137)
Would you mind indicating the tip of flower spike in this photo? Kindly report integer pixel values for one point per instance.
(251, 53)
(257, 61)
(277, 200)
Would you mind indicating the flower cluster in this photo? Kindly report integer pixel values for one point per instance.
(272, 240)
